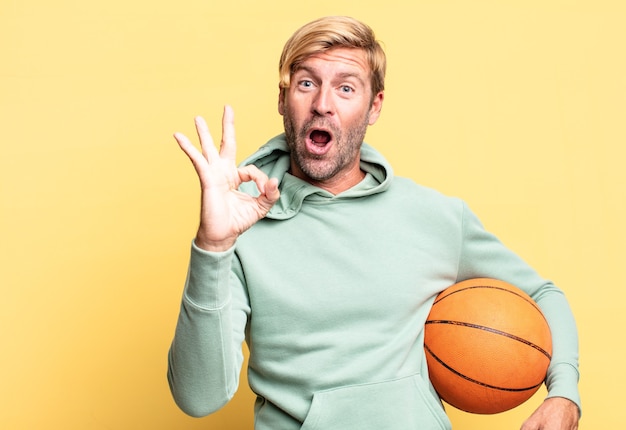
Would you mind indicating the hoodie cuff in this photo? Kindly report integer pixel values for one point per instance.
(207, 284)
(563, 382)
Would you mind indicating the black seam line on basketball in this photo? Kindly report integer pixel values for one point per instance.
(494, 331)
(473, 287)
(474, 381)
(532, 302)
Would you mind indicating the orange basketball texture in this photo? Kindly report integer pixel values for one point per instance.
(487, 344)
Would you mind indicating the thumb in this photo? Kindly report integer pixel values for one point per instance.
(270, 195)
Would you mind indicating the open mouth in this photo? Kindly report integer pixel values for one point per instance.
(320, 137)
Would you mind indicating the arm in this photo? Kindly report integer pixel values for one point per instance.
(205, 356)
(483, 255)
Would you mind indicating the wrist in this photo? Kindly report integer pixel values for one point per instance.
(213, 246)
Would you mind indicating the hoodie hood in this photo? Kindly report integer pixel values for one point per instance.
(273, 159)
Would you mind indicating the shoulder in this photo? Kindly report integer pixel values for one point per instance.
(407, 199)
(413, 191)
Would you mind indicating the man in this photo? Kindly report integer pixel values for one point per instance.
(327, 265)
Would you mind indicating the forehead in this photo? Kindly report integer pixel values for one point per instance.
(351, 61)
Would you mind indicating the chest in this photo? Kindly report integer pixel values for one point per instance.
(349, 265)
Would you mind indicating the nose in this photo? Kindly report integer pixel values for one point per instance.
(323, 104)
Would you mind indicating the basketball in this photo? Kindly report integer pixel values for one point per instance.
(487, 346)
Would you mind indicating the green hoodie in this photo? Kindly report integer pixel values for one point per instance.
(331, 293)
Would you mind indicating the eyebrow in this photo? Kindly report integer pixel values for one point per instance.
(342, 75)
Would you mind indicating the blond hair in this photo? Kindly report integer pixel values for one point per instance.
(333, 32)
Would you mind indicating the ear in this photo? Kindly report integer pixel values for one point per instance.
(281, 100)
(377, 105)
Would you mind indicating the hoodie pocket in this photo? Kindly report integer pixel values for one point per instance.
(402, 404)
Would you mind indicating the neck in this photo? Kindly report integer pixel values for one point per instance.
(337, 184)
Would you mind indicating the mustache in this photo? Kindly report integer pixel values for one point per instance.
(318, 123)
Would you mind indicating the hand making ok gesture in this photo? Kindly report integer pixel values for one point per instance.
(225, 211)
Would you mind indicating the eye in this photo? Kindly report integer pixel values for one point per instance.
(305, 83)
(346, 89)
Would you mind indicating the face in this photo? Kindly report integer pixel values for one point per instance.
(326, 111)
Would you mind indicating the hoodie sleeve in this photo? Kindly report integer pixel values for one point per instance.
(483, 255)
(205, 357)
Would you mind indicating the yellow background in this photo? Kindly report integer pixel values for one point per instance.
(518, 107)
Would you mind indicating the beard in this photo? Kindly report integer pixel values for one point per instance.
(320, 168)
